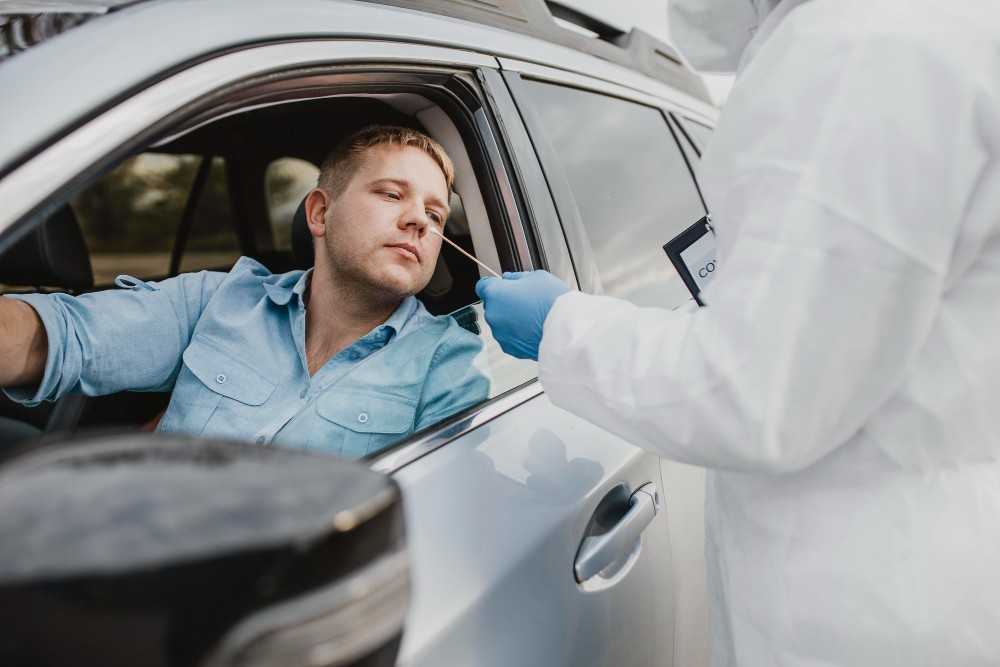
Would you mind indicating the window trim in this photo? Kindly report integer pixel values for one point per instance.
(684, 120)
(673, 101)
(439, 435)
(689, 150)
(55, 171)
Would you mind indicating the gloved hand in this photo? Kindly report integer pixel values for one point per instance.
(516, 308)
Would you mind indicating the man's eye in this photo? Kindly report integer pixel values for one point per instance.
(435, 218)
(390, 195)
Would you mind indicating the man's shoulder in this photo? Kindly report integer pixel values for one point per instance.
(432, 336)
(250, 270)
(463, 323)
(250, 278)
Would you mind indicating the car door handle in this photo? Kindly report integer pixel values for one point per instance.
(599, 551)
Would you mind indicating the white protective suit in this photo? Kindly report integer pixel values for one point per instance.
(844, 379)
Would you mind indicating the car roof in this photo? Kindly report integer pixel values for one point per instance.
(64, 81)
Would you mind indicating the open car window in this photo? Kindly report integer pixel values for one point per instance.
(219, 184)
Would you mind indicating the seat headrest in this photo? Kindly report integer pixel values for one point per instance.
(302, 238)
(53, 254)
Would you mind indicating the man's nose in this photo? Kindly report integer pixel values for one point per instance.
(416, 216)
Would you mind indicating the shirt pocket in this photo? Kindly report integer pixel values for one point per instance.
(228, 392)
(365, 422)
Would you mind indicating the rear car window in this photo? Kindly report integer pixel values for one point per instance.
(632, 187)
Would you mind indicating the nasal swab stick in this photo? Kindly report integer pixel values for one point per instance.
(459, 248)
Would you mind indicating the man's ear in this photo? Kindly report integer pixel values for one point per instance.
(318, 202)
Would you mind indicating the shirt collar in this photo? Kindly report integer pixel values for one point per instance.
(287, 285)
(400, 317)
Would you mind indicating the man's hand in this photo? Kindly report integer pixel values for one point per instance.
(516, 308)
(23, 344)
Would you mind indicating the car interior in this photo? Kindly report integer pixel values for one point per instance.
(228, 151)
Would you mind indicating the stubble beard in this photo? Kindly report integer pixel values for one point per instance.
(371, 282)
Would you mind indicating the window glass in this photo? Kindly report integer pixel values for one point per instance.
(286, 183)
(700, 133)
(131, 216)
(631, 185)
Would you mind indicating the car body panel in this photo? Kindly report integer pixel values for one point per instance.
(499, 500)
(495, 519)
(191, 30)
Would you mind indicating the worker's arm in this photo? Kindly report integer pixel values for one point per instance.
(838, 223)
(23, 344)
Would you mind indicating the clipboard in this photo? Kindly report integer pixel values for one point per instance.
(692, 252)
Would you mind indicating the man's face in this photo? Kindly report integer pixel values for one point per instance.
(377, 230)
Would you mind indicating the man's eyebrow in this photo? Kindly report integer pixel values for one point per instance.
(403, 183)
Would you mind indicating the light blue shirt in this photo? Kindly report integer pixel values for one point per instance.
(231, 347)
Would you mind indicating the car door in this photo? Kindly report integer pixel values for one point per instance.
(502, 505)
(624, 187)
(535, 538)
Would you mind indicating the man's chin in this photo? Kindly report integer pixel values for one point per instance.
(399, 284)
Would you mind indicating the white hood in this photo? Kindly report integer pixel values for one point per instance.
(713, 35)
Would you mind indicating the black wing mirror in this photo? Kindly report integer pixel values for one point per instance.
(153, 550)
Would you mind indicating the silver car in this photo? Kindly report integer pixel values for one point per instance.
(159, 137)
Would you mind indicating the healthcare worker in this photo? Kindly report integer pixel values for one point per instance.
(843, 380)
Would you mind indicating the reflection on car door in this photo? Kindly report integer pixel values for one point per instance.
(624, 188)
(496, 521)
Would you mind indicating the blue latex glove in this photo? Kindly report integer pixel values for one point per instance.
(516, 308)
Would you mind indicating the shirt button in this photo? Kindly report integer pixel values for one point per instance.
(354, 355)
(221, 378)
(378, 336)
(363, 417)
(260, 440)
(303, 394)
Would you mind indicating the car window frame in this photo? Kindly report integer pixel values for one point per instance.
(154, 114)
(149, 115)
(690, 151)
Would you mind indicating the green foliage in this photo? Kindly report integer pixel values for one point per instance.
(138, 206)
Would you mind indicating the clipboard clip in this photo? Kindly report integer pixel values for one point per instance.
(692, 252)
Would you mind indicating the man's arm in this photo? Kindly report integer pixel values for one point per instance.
(23, 344)
(101, 342)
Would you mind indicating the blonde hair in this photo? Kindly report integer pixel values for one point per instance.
(340, 165)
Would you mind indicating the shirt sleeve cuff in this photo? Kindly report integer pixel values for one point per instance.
(47, 311)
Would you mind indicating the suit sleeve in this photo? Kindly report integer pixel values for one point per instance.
(838, 186)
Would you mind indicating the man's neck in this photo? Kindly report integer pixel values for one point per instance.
(336, 316)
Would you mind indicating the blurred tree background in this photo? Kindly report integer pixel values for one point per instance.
(131, 216)
(138, 206)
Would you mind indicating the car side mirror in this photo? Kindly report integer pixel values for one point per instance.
(152, 550)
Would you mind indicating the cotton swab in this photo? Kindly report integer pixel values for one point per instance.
(434, 230)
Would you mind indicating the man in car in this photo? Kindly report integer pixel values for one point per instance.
(246, 351)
